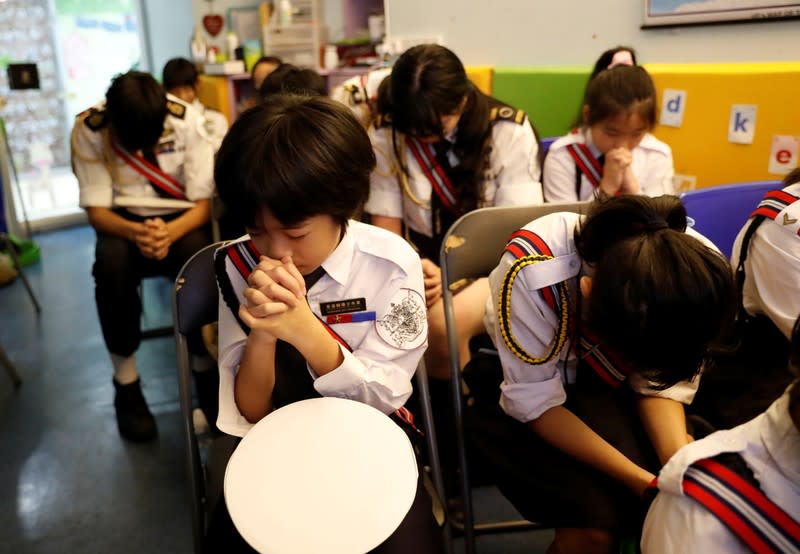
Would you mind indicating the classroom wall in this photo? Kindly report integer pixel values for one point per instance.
(168, 28)
(538, 33)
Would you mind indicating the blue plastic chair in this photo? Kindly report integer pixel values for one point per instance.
(720, 212)
(546, 142)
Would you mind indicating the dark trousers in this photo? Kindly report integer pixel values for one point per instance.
(118, 271)
(418, 533)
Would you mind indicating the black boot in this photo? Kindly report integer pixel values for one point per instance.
(134, 419)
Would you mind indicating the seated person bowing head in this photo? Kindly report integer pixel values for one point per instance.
(144, 167)
(443, 149)
(601, 323)
(312, 302)
(612, 151)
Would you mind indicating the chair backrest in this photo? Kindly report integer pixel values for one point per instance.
(720, 212)
(472, 248)
(194, 304)
(196, 294)
(546, 143)
(473, 245)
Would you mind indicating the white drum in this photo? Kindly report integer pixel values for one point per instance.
(321, 475)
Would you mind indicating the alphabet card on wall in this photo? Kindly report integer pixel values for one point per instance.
(783, 157)
(673, 105)
(742, 126)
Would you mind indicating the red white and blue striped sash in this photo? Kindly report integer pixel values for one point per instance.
(773, 203)
(164, 184)
(425, 155)
(588, 164)
(743, 508)
(605, 362)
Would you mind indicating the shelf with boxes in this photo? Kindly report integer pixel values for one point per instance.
(296, 32)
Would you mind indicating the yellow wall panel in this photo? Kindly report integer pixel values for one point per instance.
(481, 75)
(700, 146)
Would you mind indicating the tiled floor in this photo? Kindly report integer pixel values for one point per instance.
(68, 482)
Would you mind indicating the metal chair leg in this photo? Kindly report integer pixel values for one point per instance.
(13, 253)
(10, 369)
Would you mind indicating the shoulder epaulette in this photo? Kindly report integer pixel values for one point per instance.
(95, 119)
(507, 113)
(176, 109)
(382, 120)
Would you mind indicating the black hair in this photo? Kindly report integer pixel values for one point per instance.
(290, 79)
(136, 106)
(792, 178)
(427, 82)
(383, 103)
(607, 57)
(621, 89)
(602, 64)
(179, 72)
(265, 59)
(659, 296)
(298, 156)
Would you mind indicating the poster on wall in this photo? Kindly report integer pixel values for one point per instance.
(660, 13)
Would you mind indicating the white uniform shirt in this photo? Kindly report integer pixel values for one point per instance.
(512, 178)
(360, 93)
(215, 125)
(769, 444)
(368, 263)
(183, 152)
(772, 267)
(651, 164)
(530, 390)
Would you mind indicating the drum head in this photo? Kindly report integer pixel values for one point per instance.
(321, 475)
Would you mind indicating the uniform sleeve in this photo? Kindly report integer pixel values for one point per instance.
(527, 390)
(679, 525)
(94, 180)
(385, 195)
(660, 173)
(231, 342)
(217, 126)
(771, 282)
(379, 371)
(559, 176)
(198, 164)
(519, 174)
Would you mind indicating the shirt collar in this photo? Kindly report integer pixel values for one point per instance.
(587, 135)
(781, 438)
(338, 264)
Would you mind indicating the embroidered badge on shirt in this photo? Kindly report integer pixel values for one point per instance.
(405, 324)
(343, 306)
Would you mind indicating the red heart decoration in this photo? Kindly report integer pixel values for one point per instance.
(213, 23)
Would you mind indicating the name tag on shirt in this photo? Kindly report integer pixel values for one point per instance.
(343, 306)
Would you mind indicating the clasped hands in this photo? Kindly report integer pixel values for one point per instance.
(276, 306)
(618, 175)
(153, 239)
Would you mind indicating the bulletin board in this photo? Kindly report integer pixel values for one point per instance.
(660, 13)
